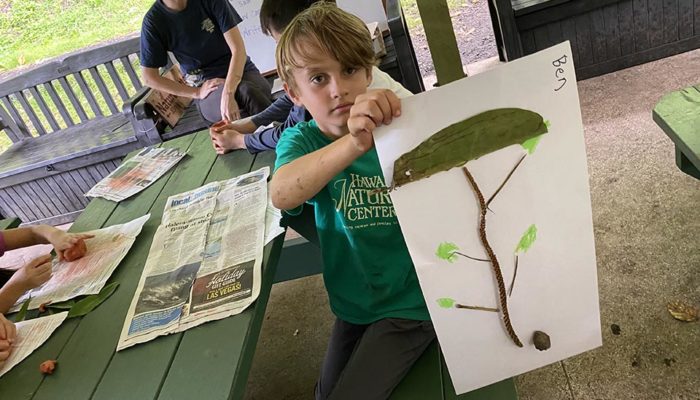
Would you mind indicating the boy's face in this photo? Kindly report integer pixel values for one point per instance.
(328, 90)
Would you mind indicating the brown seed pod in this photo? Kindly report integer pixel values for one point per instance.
(541, 340)
(48, 366)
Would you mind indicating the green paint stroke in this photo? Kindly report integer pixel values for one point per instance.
(527, 240)
(446, 302)
(446, 251)
(531, 144)
(467, 140)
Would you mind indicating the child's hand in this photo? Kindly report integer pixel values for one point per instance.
(372, 109)
(63, 241)
(33, 274)
(8, 333)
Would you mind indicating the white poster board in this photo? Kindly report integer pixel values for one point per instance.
(555, 290)
(261, 48)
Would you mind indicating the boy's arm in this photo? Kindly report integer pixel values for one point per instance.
(300, 180)
(278, 111)
(229, 107)
(153, 79)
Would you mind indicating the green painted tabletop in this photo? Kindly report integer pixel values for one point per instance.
(678, 114)
(212, 359)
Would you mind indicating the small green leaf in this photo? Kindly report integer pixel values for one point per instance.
(531, 144)
(22, 313)
(446, 302)
(89, 303)
(446, 251)
(527, 240)
(547, 124)
(64, 305)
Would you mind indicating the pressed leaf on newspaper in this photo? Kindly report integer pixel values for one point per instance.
(683, 311)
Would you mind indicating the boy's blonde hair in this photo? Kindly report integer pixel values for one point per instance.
(326, 28)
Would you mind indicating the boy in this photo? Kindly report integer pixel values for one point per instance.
(204, 37)
(325, 59)
(275, 15)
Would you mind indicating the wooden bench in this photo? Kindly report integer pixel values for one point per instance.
(678, 114)
(605, 35)
(68, 130)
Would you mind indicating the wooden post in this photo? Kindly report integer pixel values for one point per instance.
(441, 40)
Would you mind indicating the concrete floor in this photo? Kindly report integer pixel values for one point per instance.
(646, 215)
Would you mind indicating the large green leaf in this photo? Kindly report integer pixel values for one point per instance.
(91, 302)
(467, 140)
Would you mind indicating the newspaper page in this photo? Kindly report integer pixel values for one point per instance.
(86, 275)
(30, 335)
(205, 260)
(136, 173)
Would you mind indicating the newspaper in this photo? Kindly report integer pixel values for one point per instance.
(86, 275)
(205, 260)
(30, 335)
(136, 173)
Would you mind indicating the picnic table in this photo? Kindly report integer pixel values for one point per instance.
(213, 358)
(678, 114)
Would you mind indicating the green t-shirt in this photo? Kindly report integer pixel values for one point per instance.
(368, 271)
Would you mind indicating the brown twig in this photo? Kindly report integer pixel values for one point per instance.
(472, 258)
(477, 308)
(493, 196)
(515, 272)
(494, 261)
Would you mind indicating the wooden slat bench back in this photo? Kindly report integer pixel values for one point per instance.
(70, 91)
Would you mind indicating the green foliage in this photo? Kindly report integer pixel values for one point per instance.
(91, 302)
(32, 30)
(446, 251)
(22, 313)
(446, 302)
(527, 240)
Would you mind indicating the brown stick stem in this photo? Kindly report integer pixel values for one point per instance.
(493, 196)
(515, 273)
(492, 256)
(471, 258)
(477, 308)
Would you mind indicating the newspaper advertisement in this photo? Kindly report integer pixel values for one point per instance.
(86, 275)
(30, 335)
(136, 173)
(205, 260)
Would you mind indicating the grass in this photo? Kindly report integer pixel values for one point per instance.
(33, 30)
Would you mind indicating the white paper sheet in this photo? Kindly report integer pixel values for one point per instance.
(30, 335)
(556, 286)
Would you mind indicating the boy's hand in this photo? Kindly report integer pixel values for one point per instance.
(226, 140)
(63, 241)
(8, 333)
(207, 87)
(372, 109)
(33, 274)
(229, 106)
